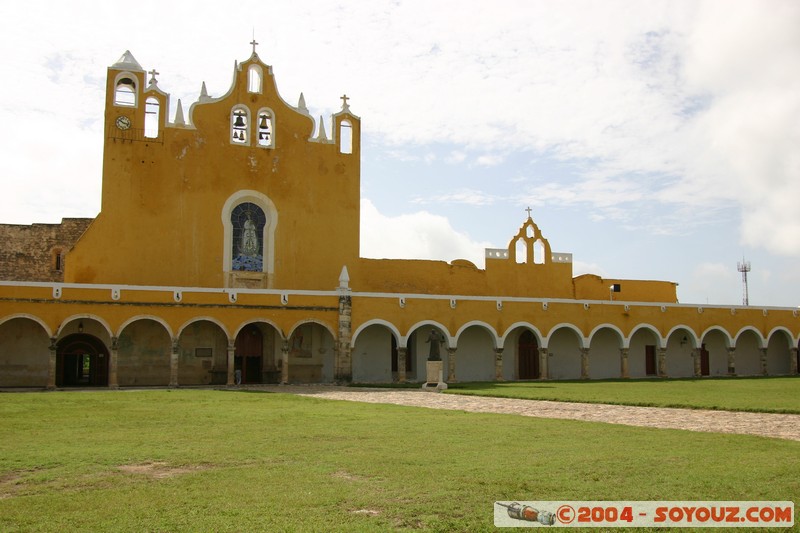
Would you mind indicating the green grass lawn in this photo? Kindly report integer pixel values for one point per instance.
(770, 395)
(206, 460)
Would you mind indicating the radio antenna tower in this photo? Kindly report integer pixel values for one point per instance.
(744, 268)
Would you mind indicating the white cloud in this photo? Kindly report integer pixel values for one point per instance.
(419, 235)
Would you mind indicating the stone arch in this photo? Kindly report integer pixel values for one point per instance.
(418, 349)
(24, 351)
(258, 352)
(374, 349)
(565, 343)
(605, 343)
(714, 344)
(144, 352)
(203, 352)
(74, 324)
(748, 354)
(779, 353)
(681, 341)
(250, 279)
(479, 323)
(522, 357)
(312, 346)
(476, 354)
(644, 344)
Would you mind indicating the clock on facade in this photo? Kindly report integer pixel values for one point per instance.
(123, 122)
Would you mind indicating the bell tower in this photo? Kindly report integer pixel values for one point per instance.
(125, 108)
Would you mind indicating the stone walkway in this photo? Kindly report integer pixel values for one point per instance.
(782, 426)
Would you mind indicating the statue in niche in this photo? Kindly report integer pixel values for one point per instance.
(249, 238)
(436, 340)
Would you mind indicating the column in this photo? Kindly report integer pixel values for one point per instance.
(764, 370)
(112, 364)
(344, 364)
(498, 364)
(173, 364)
(623, 362)
(231, 361)
(402, 353)
(662, 362)
(584, 363)
(451, 365)
(285, 362)
(544, 372)
(793, 361)
(51, 368)
(696, 356)
(732, 361)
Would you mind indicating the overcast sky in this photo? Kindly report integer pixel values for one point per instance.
(652, 140)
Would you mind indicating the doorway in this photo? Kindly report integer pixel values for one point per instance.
(248, 354)
(705, 367)
(81, 361)
(528, 356)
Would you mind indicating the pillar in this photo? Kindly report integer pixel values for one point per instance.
(732, 361)
(173, 363)
(623, 362)
(451, 365)
(662, 362)
(344, 362)
(113, 383)
(544, 372)
(498, 364)
(764, 369)
(285, 362)
(51, 367)
(231, 361)
(696, 356)
(402, 353)
(584, 363)
(793, 361)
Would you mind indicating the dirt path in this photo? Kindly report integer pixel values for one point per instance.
(762, 424)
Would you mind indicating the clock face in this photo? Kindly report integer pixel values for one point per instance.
(123, 122)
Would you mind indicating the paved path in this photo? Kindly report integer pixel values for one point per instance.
(762, 424)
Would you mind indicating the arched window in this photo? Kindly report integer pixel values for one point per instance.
(240, 120)
(125, 92)
(266, 128)
(521, 251)
(345, 137)
(538, 252)
(254, 79)
(247, 243)
(151, 114)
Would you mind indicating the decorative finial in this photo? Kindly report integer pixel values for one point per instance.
(153, 73)
(345, 106)
(529, 212)
(254, 43)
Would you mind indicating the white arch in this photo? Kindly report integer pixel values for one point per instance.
(762, 342)
(721, 330)
(695, 338)
(145, 317)
(299, 323)
(451, 341)
(782, 329)
(480, 324)
(82, 316)
(268, 237)
(584, 341)
(200, 319)
(267, 321)
(612, 327)
(662, 342)
(401, 340)
(541, 338)
(34, 318)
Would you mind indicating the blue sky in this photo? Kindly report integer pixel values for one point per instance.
(652, 140)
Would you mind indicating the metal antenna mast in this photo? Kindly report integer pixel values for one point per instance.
(744, 268)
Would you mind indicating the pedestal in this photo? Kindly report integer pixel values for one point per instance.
(435, 380)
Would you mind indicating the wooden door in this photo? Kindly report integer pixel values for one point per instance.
(528, 356)
(650, 360)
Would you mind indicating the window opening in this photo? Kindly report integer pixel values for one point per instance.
(248, 221)
(239, 121)
(254, 79)
(58, 260)
(265, 129)
(125, 92)
(521, 251)
(345, 137)
(151, 112)
(538, 252)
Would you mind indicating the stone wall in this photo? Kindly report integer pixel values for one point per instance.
(30, 253)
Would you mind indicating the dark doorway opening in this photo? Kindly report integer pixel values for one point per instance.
(650, 360)
(528, 356)
(81, 361)
(248, 354)
(705, 367)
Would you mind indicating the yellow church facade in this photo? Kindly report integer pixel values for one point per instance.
(227, 250)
